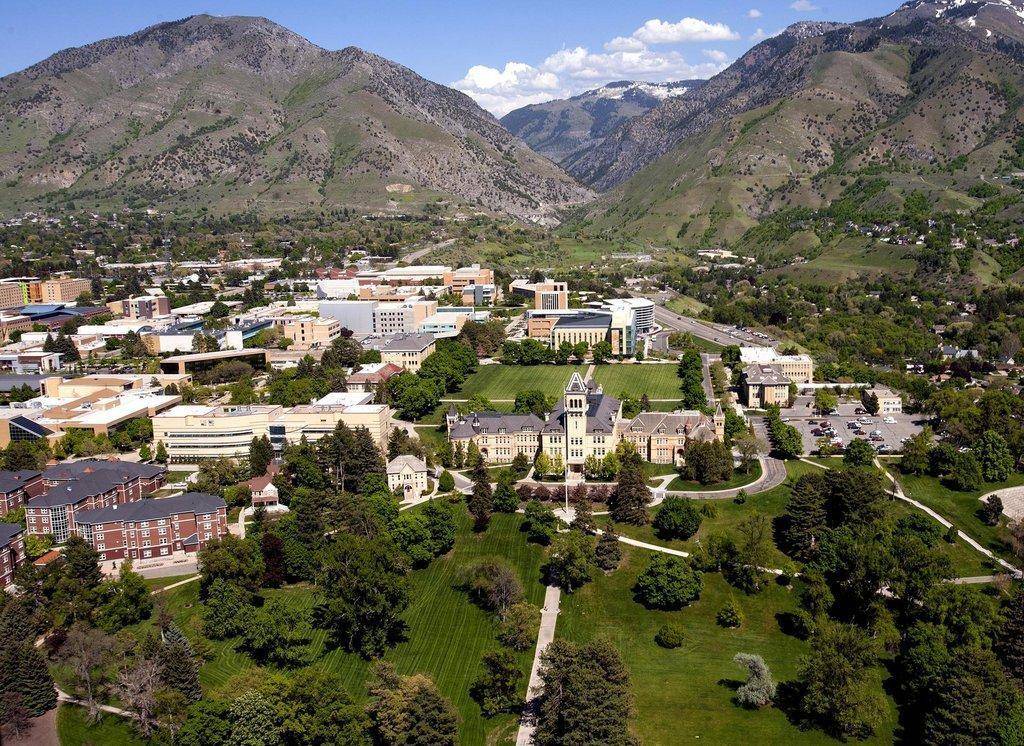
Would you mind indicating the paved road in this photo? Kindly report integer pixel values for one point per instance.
(706, 360)
(773, 473)
(415, 256)
(548, 619)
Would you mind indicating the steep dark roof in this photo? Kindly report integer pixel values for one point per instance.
(584, 321)
(12, 481)
(491, 422)
(8, 531)
(602, 413)
(122, 471)
(153, 508)
(73, 491)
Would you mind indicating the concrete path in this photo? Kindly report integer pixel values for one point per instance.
(773, 473)
(172, 586)
(546, 633)
(897, 491)
(589, 375)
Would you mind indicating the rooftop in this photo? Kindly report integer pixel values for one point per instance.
(152, 509)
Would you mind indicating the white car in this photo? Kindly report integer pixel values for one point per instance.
(889, 420)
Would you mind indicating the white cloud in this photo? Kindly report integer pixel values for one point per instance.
(576, 69)
(804, 6)
(657, 31)
(758, 35)
(754, 13)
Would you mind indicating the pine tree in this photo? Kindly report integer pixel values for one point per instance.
(579, 499)
(161, 453)
(145, 452)
(1010, 642)
(608, 554)
(180, 670)
(23, 672)
(505, 498)
(261, 453)
(481, 501)
(629, 500)
(806, 516)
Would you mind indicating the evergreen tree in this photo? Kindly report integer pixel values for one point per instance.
(631, 496)
(481, 501)
(145, 452)
(161, 453)
(261, 454)
(608, 554)
(1009, 645)
(23, 673)
(804, 521)
(505, 498)
(496, 689)
(180, 670)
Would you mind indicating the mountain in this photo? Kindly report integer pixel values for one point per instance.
(927, 98)
(562, 127)
(237, 113)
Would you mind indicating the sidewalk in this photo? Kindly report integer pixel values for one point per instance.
(545, 635)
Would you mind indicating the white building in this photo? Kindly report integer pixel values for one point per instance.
(409, 474)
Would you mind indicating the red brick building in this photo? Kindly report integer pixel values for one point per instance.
(16, 487)
(87, 485)
(12, 551)
(155, 527)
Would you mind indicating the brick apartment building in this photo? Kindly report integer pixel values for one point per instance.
(154, 528)
(87, 485)
(12, 552)
(16, 487)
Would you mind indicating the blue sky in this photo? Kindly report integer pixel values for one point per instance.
(504, 53)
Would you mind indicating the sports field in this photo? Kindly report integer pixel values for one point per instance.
(658, 381)
(497, 382)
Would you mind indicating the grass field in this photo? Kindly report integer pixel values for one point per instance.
(657, 381)
(739, 479)
(684, 695)
(447, 634)
(687, 306)
(960, 508)
(74, 730)
(505, 381)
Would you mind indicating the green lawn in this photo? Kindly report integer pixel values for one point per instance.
(960, 508)
(447, 634)
(739, 479)
(505, 381)
(74, 730)
(157, 583)
(686, 306)
(658, 470)
(658, 381)
(177, 476)
(684, 695)
(431, 436)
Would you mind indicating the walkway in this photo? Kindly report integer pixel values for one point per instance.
(546, 633)
(773, 473)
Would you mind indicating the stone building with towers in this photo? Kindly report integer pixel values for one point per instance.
(585, 422)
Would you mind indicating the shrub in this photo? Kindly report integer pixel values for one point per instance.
(759, 688)
(729, 616)
(446, 482)
(669, 636)
(678, 518)
(668, 583)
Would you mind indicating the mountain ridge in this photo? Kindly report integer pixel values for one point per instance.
(254, 116)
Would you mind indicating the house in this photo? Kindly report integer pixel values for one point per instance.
(154, 528)
(369, 377)
(409, 474)
(12, 552)
(16, 487)
(263, 490)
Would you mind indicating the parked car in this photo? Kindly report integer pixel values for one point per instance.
(889, 420)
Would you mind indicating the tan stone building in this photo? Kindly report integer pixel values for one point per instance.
(765, 385)
(308, 332)
(661, 437)
(13, 294)
(407, 350)
(58, 290)
(409, 474)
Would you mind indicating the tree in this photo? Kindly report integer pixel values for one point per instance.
(668, 582)
(916, 452)
(366, 592)
(859, 453)
(481, 500)
(583, 515)
(496, 689)
(127, 600)
(631, 496)
(839, 694)
(571, 561)
(759, 688)
(601, 352)
(277, 633)
(825, 401)
(869, 400)
(992, 510)
(145, 453)
(137, 686)
(232, 559)
(85, 652)
(180, 664)
(493, 584)
(966, 474)
(446, 482)
(505, 498)
(608, 554)
(518, 630)
(409, 710)
(994, 456)
(691, 371)
(677, 518)
(225, 609)
(161, 453)
(1009, 644)
(585, 697)
(805, 518)
(532, 401)
(261, 454)
(539, 522)
(254, 720)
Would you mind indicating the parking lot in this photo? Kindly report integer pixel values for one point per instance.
(889, 437)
